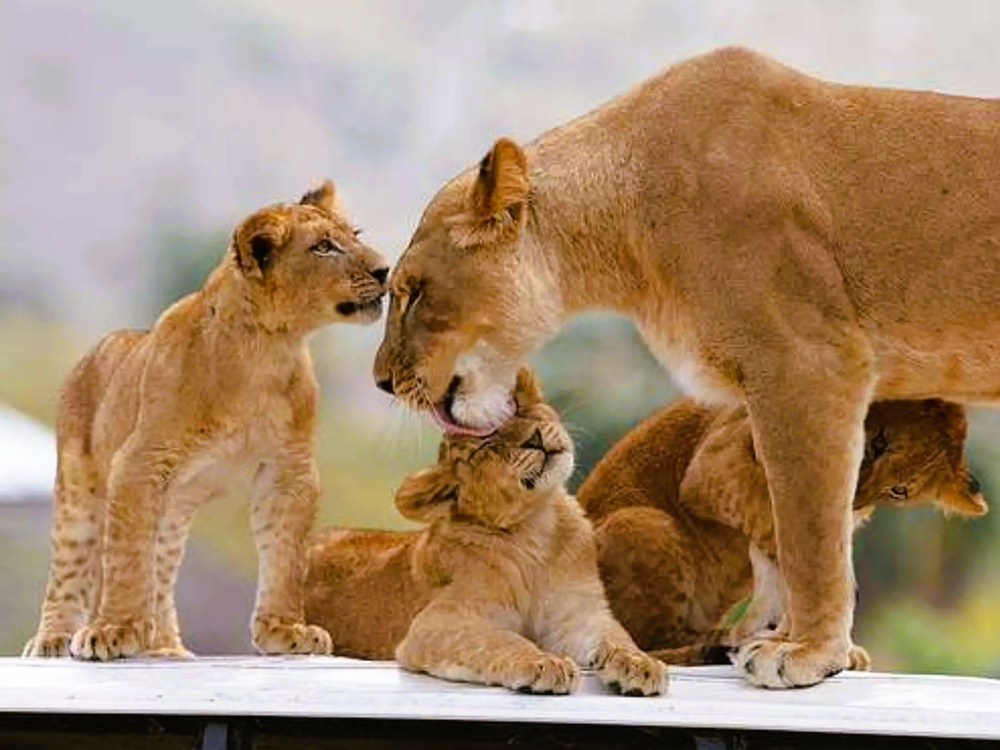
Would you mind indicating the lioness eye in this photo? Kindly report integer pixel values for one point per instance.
(325, 247)
(407, 303)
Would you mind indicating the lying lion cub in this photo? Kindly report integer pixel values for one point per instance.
(679, 530)
(500, 588)
(152, 424)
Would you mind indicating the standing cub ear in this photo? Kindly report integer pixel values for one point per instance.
(324, 197)
(527, 389)
(428, 495)
(256, 241)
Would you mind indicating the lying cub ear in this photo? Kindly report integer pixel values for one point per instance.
(527, 390)
(324, 197)
(428, 495)
(256, 240)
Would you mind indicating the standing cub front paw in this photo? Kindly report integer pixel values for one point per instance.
(542, 674)
(273, 636)
(48, 645)
(107, 641)
(631, 672)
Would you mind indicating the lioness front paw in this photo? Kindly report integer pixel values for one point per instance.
(544, 674)
(274, 637)
(777, 663)
(631, 672)
(48, 645)
(104, 642)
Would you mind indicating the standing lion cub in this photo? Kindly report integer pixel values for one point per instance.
(501, 587)
(153, 424)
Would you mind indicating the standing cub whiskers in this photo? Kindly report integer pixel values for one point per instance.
(153, 424)
(501, 587)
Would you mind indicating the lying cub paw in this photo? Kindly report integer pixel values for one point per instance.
(776, 663)
(859, 659)
(544, 674)
(273, 637)
(104, 642)
(48, 645)
(632, 672)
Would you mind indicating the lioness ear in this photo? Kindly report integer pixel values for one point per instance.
(428, 494)
(527, 389)
(256, 240)
(502, 184)
(324, 197)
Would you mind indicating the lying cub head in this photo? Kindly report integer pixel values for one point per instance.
(915, 454)
(305, 266)
(497, 480)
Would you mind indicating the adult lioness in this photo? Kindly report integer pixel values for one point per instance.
(681, 514)
(500, 587)
(797, 245)
(152, 424)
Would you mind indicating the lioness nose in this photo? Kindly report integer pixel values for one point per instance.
(380, 274)
(385, 384)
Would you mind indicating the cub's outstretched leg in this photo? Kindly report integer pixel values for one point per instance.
(575, 620)
(458, 640)
(811, 462)
(285, 498)
(75, 569)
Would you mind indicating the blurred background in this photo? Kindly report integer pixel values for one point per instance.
(133, 136)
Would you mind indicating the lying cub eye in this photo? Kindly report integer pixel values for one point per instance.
(534, 442)
(879, 444)
(899, 491)
(325, 247)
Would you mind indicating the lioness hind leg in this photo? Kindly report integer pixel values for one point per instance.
(73, 586)
(285, 498)
(811, 460)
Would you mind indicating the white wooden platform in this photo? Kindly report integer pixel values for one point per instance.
(315, 687)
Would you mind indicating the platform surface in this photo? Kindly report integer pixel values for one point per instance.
(329, 687)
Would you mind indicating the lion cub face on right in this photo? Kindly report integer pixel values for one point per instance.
(500, 479)
(915, 455)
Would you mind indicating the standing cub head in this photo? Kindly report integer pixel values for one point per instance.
(466, 300)
(305, 266)
(915, 455)
(497, 480)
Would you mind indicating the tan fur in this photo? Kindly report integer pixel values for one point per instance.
(501, 587)
(799, 246)
(683, 518)
(152, 424)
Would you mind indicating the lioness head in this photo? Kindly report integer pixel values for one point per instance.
(497, 480)
(915, 454)
(466, 306)
(305, 266)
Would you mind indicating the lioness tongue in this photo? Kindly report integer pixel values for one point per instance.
(450, 427)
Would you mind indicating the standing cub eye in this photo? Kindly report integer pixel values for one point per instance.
(407, 302)
(325, 247)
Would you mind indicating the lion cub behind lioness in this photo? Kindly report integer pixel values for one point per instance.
(152, 424)
(500, 588)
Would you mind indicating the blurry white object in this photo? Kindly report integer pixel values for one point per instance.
(27, 457)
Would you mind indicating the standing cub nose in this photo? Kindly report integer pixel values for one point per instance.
(380, 274)
(385, 384)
